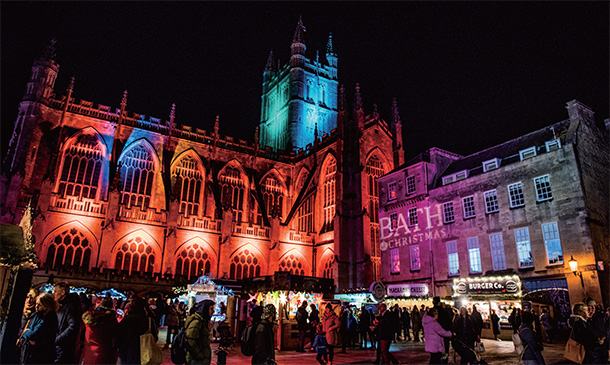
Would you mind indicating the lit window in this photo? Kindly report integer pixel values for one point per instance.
(524, 248)
(135, 255)
(69, 249)
(552, 145)
(469, 211)
(395, 261)
(244, 265)
(82, 168)
(543, 188)
(415, 260)
(193, 261)
(491, 164)
(452, 258)
(474, 254)
(137, 177)
(232, 191)
(392, 191)
(448, 179)
(497, 251)
(448, 214)
(515, 193)
(527, 153)
(394, 221)
(552, 243)
(491, 201)
(455, 177)
(329, 196)
(189, 175)
(410, 184)
(412, 217)
(293, 264)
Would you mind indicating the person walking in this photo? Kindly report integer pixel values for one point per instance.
(69, 324)
(434, 336)
(444, 318)
(597, 320)
(547, 324)
(365, 323)
(302, 325)
(352, 329)
(406, 323)
(465, 336)
(197, 336)
(583, 333)
(134, 324)
(37, 341)
(172, 322)
(314, 320)
(264, 343)
(343, 328)
(515, 319)
(417, 322)
(531, 345)
(495, 324)
(478, 321)
(386, 333)
(321, 345)
(100, 334)
(331, 324)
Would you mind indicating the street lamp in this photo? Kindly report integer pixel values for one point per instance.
(574, 267)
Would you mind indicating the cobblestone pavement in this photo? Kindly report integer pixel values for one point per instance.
(496, 353)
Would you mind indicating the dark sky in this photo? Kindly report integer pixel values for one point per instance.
(466, 75)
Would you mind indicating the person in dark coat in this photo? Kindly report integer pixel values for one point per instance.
(302, 325)
(495, 324)
(444, 319)
(405, 320)
(134, 324)
(343, 329)
(515, 319)
(37, 341)
(172, 322)
(584, 334)
(352, 329)
(365, 323)
(478, 321)
(597, 321)
(264, 344)
(69, 324)
(532, 346)
(314, 320)
(372, 329)
(465, 336)
(416, 319)
(386, 333)
(197, 337)
(100, 332)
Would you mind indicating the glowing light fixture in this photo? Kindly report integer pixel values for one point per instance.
(574, 267)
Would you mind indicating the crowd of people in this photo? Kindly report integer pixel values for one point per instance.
(65, 328)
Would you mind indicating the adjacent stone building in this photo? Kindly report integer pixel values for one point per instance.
(124, 200)
(504, 222)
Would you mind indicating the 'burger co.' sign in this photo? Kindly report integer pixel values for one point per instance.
(488, 285)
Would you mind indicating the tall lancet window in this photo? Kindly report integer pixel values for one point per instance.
(329, 194)
(233, 188)
(374, 169)
(305, 212)
(81, 168)
(273, 196)
(137, 177)
(188, 174)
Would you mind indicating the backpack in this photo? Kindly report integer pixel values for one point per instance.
(247, 340)
(178, 350)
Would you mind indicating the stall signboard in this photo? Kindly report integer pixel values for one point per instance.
(408, 290)
(487, 285)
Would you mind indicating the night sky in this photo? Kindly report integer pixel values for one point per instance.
(466, 75)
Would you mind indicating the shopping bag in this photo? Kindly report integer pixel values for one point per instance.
(574, 351)
(150, 353)
(479, 347)
(518, 344)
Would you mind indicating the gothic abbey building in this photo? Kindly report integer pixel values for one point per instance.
(120, 200)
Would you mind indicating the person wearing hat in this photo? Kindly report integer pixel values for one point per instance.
(198, 345)
(264, 344)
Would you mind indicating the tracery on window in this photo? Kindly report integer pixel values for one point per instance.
(134, 256)
(189, 177)
(292, 264)
(327, 272)
(193, 261)
(329, 175)
(137, 177)
(244, 265)
(81, 168)
(68, 249)
(273, 197)
(233, 188)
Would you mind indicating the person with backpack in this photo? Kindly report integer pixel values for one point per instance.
(264, 344)
(532, 346)
(320, 345)
(197, 335)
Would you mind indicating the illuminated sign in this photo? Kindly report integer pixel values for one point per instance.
(401, 234)
(488, 285)
(408, 290)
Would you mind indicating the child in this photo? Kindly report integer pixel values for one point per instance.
(319, 344)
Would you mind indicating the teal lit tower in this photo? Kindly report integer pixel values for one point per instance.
(299, 99)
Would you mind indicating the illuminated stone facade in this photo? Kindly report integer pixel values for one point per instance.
(122, 200)
(524, 207)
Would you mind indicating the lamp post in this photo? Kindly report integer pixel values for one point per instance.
(574, 267)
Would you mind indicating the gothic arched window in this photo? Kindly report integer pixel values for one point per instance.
(137, 177)
(233, 189)
(81, 168)
(329, 195)
(135, 255)
(374, 169)
(188, 175)
(193, 262)
(292, 264)
(244, 265)
(69, 249)
(328, 268)
(273, 197)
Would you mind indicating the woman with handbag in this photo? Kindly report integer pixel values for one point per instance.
(197, 337)
(134, 324)
(531, 354)
(38, 338)
(583, 334)
(433, 335)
